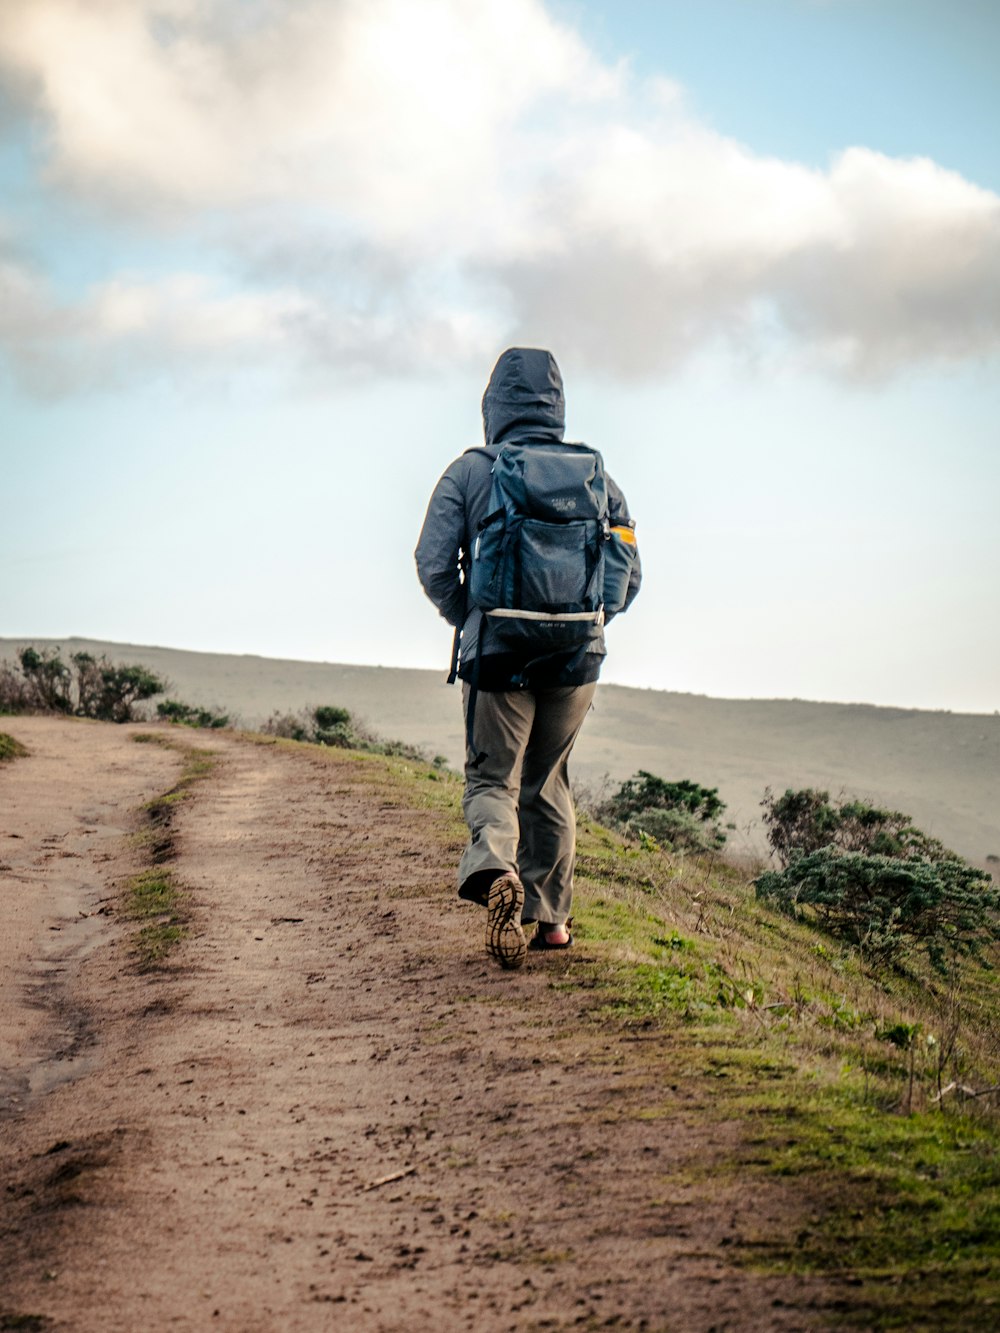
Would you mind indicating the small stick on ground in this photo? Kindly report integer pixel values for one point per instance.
(387, 1180)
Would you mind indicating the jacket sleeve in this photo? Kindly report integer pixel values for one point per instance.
(618, 513)
(439, 549)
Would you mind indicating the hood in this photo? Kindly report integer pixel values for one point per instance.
(524, 399)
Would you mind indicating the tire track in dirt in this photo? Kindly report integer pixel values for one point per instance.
(237, 1158)
(64, 811)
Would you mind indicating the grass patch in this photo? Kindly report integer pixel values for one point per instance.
(10, 748)
(908, 1206)
(854, 1084)
(153, 943)
(152, 893)
(153, 896)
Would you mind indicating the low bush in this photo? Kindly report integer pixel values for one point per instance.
(88, 686)
(676, 830)
(290, 726)
(10, 748)
(800, 822)
(48, 679)
(887, 905)
(680, 815)
(337, 727)
(187, 715)
(871, 877)
(326, 717)
(108, 691)
(16, 695)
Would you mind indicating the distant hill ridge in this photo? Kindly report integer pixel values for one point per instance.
(941, 768)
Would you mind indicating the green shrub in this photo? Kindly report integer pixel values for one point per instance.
(16, 695)
(645, 791)
(681, 815)
(335, 726)
(187, 715)
(338, 728)
(676, 830)
(49, 679)
(888, 905)
(89, 687)
(108, 691)
(867, 828)
(801, 822)
(798, 822)
(327, 717)
(10, 748)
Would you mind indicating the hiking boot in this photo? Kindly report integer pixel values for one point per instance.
(504, 936)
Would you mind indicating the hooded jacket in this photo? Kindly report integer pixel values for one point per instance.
(523, 404)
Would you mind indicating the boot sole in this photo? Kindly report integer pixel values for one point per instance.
(505, 939)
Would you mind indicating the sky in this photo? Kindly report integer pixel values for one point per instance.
(257, 259)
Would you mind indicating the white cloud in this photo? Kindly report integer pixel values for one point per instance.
(398, 181)
(866, 267)
(388, 112)
(127, 325)
(913, 271)
(187, 323)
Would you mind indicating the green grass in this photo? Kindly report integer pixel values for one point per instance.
(907, 1205)
(834, 1071)
(10, 748)
(153, 943)
(152, 893)
(153, 897)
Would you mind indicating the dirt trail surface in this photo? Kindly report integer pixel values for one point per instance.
(329, 1110)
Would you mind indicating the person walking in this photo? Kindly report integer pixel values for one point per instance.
(523, 707)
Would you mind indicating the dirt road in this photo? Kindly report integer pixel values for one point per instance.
(329, 1110)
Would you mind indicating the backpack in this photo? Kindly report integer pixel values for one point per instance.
(537, 566)
(546, 565)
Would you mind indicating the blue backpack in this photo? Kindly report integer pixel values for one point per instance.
(537, 564)
(546, 564)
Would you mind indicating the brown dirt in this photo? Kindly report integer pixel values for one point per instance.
(330, 1110)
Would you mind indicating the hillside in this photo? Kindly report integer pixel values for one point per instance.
(942, 768)
(258, 1073)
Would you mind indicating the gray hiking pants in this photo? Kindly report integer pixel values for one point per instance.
(517, 803)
